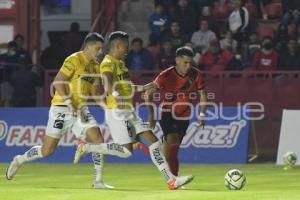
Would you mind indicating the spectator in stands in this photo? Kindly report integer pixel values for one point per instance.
(24, 82)
(267, 58)
(203, 36)
(153, 47)
(186, 17)
(290, 60)
(213, 24)
(206, 3)
(215, 59)
(260, 4)
(252, 46)
(291, 10)
(138, 57)
(158, 22)
(53, 56)
(238, 22)
(281, 38)
(169, 5)
(10, 60)
(72, 40)
(228, 42)
(166, 57)
(175, 35)
(297, 34)
(19, 39)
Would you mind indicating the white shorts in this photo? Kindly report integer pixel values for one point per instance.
(124, 125)
(60, 121)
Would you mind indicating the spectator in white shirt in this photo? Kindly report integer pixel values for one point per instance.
(203, 36)
(238, 22)
(228, 42)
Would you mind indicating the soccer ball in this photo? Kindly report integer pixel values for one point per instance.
(235, 179)
(290, 158)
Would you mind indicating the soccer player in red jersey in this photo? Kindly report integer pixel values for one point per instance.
(180, 85)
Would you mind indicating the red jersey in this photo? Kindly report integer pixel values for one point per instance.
(179, 91)
(216, 62)
(264, 62)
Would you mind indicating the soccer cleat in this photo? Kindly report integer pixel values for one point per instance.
(80, 152)
(13, 168)
(179, 181)
(101, 185)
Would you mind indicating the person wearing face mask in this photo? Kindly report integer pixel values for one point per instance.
(24, 80)
(8, 62)
(267, 58)
(21, 52)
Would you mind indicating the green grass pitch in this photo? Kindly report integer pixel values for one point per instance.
(143, 182)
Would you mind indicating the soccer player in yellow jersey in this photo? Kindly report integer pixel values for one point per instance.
(125, 125)
(74, 84)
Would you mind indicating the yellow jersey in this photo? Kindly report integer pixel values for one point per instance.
(120, 80)
(82, 76)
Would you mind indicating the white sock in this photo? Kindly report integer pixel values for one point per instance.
(32, 154)
(160, 161)
(98, 160)
(108, 148)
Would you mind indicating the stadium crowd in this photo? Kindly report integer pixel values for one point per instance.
(229, 35)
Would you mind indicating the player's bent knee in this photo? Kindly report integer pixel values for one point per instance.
(147, 138)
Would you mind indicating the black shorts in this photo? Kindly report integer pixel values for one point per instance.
(170, 125)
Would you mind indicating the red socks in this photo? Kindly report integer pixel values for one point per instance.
(173, 159)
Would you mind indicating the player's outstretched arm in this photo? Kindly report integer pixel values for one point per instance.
(142, 88)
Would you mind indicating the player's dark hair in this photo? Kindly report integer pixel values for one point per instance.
(118, 35)
(185, 51)
(93, 37)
